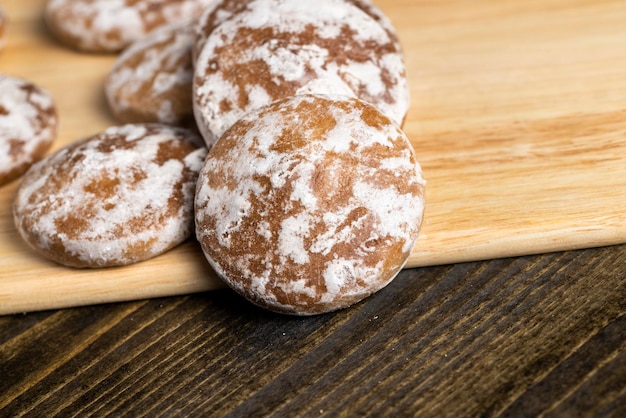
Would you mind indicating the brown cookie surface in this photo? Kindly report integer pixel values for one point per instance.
(274, 49)
(151, 79)
(119, 197)
(310, 204)
(111, 25)
(28, 126)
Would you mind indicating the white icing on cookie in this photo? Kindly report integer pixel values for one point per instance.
(276, 48)
(151, 79)
(221, 10)
(310, 204)
(119, 197)
(28, 126)
(111, 25)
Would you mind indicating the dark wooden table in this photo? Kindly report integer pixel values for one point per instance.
(511, 337)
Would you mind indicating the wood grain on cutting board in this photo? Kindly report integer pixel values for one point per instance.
(518, 118)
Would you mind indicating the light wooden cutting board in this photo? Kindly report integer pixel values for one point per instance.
(518, 118)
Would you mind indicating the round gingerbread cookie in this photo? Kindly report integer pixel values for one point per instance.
(151, 79)
(310, 204)
(112, 25)
(219, 11)
(28, 126)
(274, 49)
(119, 197)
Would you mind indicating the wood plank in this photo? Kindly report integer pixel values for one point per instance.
(528, 336)
(518, 118)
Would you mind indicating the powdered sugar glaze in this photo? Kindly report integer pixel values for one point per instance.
(151, 79)
(111, 25)
(310, 204)
(278, 48)
(28, 125)
(219, 11)
(116, 198)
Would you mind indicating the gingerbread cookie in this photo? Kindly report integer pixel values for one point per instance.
(119, 197)
(111, 25)
(151, 79)
(219, 11)
(274, 49)
(310, 204)
(28, 126)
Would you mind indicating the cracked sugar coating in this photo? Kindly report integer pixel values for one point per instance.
(111, 25)
(119, 197)
(279, 48)
(151, 79)
(28, 126)
(310, 204)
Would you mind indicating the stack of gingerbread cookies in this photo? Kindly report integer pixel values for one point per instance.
(271, 127)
